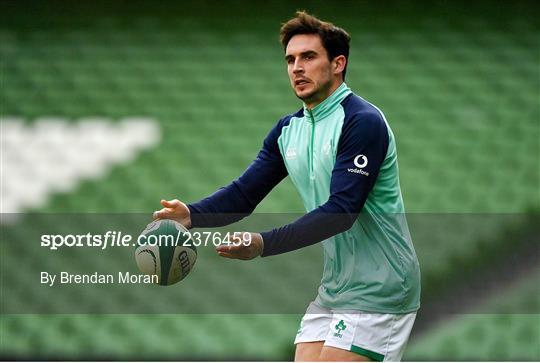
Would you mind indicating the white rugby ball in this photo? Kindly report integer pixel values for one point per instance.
(165, 249)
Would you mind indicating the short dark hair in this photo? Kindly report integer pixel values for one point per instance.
(334, 39)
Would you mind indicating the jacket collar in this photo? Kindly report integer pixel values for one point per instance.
(327, 106)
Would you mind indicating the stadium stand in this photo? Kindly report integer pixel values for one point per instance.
(460, 91)
(493, 332)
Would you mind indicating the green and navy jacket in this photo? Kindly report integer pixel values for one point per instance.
(341, 156)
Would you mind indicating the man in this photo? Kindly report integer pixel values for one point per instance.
(341, 155)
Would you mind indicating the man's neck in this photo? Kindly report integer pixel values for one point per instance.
(313, 104)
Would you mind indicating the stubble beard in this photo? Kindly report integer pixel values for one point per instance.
(317, 95)
(309, 97)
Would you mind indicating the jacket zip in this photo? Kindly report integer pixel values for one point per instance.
(311, 151)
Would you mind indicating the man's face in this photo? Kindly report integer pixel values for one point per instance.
(309, 69)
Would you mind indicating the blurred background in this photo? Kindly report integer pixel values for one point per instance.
(109, 106)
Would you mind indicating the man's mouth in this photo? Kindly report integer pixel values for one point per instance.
(300, 82)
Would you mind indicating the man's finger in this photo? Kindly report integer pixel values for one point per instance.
(230, 247)
(226, 247)
(170, 203)
(228, 255)
(158, 214)
(222, 248)
(163, 213)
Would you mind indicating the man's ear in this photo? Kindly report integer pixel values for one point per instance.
(339, 64)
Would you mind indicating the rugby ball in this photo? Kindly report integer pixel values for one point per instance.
(165, 249)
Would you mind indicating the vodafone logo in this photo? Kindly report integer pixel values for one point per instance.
(360, 161)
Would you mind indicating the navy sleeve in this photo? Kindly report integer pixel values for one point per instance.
(361, 151)
(238, 199)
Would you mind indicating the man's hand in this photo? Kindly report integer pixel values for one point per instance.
(241, 248)
(175, 210)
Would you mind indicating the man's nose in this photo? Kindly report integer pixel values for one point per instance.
(298, 67)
